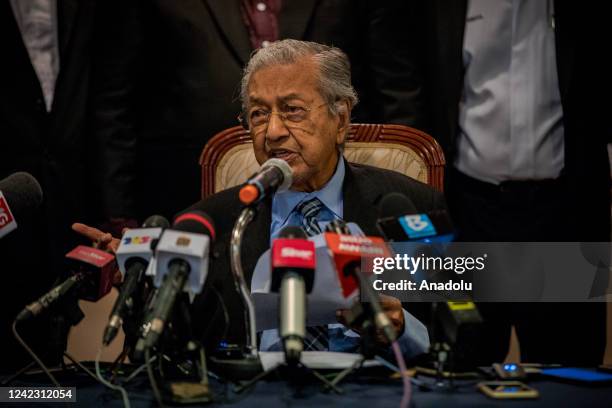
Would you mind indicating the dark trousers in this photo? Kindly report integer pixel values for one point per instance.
(531, 211)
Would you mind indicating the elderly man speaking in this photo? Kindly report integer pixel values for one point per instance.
(297, 99)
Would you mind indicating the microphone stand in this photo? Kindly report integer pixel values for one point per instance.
(246, 216)
(297, 371)
(251, 361)
(248, 364)
(362, 315)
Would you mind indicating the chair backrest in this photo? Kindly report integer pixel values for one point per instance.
(228, 160)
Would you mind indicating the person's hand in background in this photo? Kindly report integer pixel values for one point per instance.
(101, 240)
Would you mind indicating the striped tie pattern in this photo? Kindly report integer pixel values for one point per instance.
(316, 338)
(309, 210)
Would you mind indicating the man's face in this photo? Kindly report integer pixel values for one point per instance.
(308, 139)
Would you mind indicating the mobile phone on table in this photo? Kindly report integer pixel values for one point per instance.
(507, 390)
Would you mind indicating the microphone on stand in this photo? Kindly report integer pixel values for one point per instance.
(274, 175)
(133, 256)
(347, 252)
(400, 221)
(292, 265)
(20, 197)
(92, 277)
(181, 265)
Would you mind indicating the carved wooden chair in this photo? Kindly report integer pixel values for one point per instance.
(227, 159)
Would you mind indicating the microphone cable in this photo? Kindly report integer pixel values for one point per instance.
(152, 381)
(33, 355)
(405, 402)
(114, 387)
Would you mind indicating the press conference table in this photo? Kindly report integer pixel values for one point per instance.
(357, 393)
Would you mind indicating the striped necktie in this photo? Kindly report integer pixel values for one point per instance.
(316, 338)
(309, 210)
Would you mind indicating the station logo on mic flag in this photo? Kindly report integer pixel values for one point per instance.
(345, 249)
(295, 253)
(7, 221)
(97, 262)
(417, 226)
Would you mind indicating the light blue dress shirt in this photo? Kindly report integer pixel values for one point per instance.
(413, 341)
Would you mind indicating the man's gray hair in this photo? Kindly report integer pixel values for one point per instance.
(334, 69)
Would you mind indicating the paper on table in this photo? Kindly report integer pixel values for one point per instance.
(322, 303)
(317, 360)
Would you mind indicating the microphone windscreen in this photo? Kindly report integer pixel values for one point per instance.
(395, 205)
(292, 231)
(195, 221)
(156, 221)
(284, 168)
(22, 193)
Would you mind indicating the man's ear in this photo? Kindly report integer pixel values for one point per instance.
(344, 120)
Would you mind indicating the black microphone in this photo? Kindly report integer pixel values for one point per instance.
(46, 300)
(292, 265)
(133, 255)
(395, 205)
(20, 197)
(274, 175)
(400, 221)
(191, 226)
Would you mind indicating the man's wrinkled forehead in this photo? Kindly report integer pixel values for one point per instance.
(283, 83)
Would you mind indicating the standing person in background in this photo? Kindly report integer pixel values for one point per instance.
(44, 79)
(511, 91)
(170, 76)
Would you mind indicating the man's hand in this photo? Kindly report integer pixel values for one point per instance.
(392, 308)
(101, 240)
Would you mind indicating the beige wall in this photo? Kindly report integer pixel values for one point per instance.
(85, 339)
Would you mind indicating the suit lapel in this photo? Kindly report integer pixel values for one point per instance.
(228, 15)
(256, 239)
(359, 201)
(294, 18)
(66, 15)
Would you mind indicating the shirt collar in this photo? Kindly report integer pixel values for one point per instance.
(330, 195)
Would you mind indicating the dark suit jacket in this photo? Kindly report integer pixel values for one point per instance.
(363, 188)
(186, 58)
(52, 147)
(583, 79)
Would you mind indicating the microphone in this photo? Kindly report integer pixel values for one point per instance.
(274, 175)
(35, 308)
(98, 269)
(347, 252)
(133, 256)
(181, 264)
(20, 197)
(399, 221)
(92, 277)
(292, 265)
